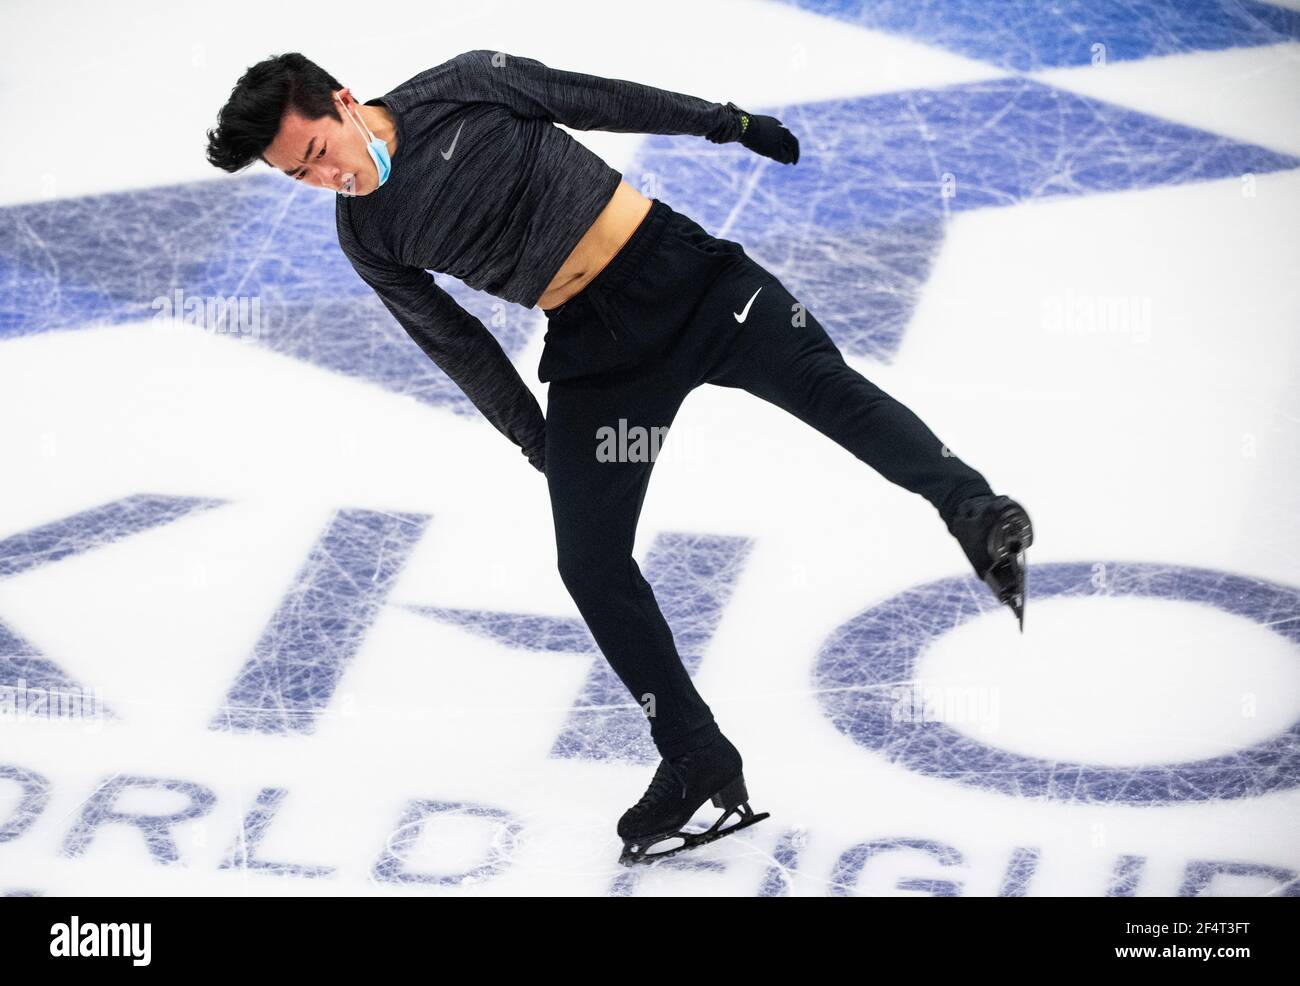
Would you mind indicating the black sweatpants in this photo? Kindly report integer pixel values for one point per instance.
(676, 308)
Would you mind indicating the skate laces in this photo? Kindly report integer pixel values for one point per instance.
(665, 782)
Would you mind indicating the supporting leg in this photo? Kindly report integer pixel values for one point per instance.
(596, 505)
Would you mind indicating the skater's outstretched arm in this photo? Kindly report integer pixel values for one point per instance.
(592, 102)
(577, 100)
(458, 343)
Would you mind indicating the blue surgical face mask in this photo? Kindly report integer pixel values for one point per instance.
(378, 149)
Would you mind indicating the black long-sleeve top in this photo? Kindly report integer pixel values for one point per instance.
(485, 188)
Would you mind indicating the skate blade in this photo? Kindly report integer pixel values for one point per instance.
(638, 853)
(1012, 532)
(1006, 579)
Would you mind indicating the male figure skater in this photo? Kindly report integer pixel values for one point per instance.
(461, 170)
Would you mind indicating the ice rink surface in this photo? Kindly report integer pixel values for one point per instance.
(279, 611)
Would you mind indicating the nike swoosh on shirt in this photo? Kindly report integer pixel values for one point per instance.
(744, 312)
(446, 155)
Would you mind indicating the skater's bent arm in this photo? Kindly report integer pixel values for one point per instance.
(462, 347)
(584, 102)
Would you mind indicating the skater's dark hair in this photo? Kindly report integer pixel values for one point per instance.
(249, 121)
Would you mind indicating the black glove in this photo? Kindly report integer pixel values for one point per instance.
(765, 135)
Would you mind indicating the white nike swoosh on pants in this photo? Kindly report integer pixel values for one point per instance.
(744, 312)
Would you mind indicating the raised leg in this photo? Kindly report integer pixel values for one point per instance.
(781, 353)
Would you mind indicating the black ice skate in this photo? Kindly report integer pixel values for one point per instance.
(994, 531)
(678, 789)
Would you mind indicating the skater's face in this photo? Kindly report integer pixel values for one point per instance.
(324, 152)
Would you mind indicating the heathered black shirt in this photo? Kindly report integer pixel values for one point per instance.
(486, 189)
